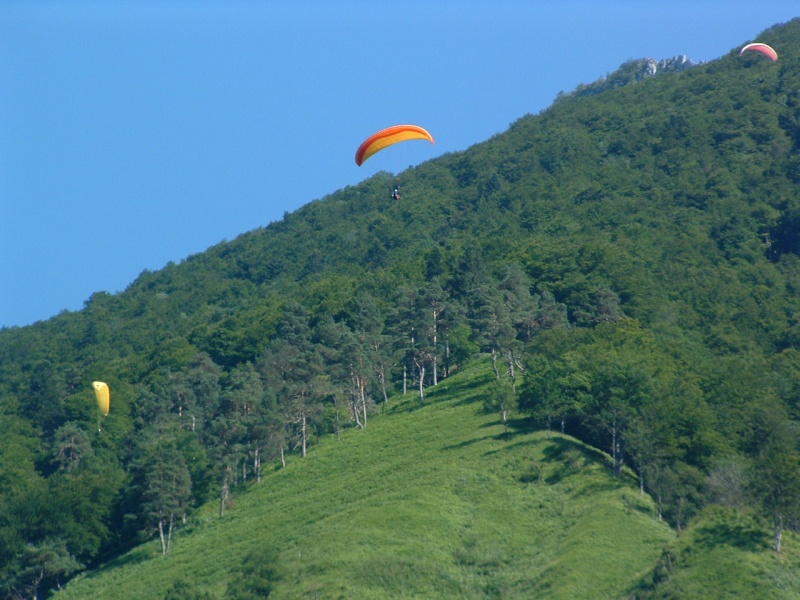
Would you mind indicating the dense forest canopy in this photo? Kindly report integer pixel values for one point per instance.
(634, 253)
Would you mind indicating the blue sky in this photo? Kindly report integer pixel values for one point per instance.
(133, 134)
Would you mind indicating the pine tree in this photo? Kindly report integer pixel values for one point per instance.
(168, 488)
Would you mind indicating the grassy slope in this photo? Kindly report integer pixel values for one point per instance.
(726, 554)
(430, 502)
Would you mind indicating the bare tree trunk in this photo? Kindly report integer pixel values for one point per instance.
(380, 371)
(169, 533)
(382, 379)
(446, 357)
(303, 430)
(512, 374)
(435, 346)
(336, 423)
(161, 537)
(494, 363)
(421, 369)
(355, 400)
(778, 532)
(283, 458)
(405, 378)
(616, 448)
(36, 584)
(224, 492)
(363, 394)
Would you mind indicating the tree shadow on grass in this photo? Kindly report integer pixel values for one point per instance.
(511, 431)
(556, 446)
(562, 458)
(400, 408)
(566, 458)
(744, 536)
(136, 556)
(514, 427)
(477, 397)
(469, 389)
(467, 443)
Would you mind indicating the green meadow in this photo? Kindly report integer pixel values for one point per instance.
(429, 501)
(726, 554)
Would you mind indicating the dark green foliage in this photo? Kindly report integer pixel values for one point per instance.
(184, 590)
(634, 254)
(41, 566)
(167, 489)
(502, 399)
(71, 446)
(258, 573)
(775, 480)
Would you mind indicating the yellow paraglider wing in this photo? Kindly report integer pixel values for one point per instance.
(760, 47)
(389, 136)
(103, 396)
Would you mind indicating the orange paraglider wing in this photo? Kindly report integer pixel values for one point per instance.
(759, 47)
(389, 136)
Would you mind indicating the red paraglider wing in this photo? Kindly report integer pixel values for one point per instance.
(759, 47)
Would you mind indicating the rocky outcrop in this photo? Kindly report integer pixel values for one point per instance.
(632, 71)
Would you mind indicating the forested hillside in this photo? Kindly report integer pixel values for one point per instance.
(634, 255)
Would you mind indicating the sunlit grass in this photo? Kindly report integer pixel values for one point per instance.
(728, 554)
(433, 501)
